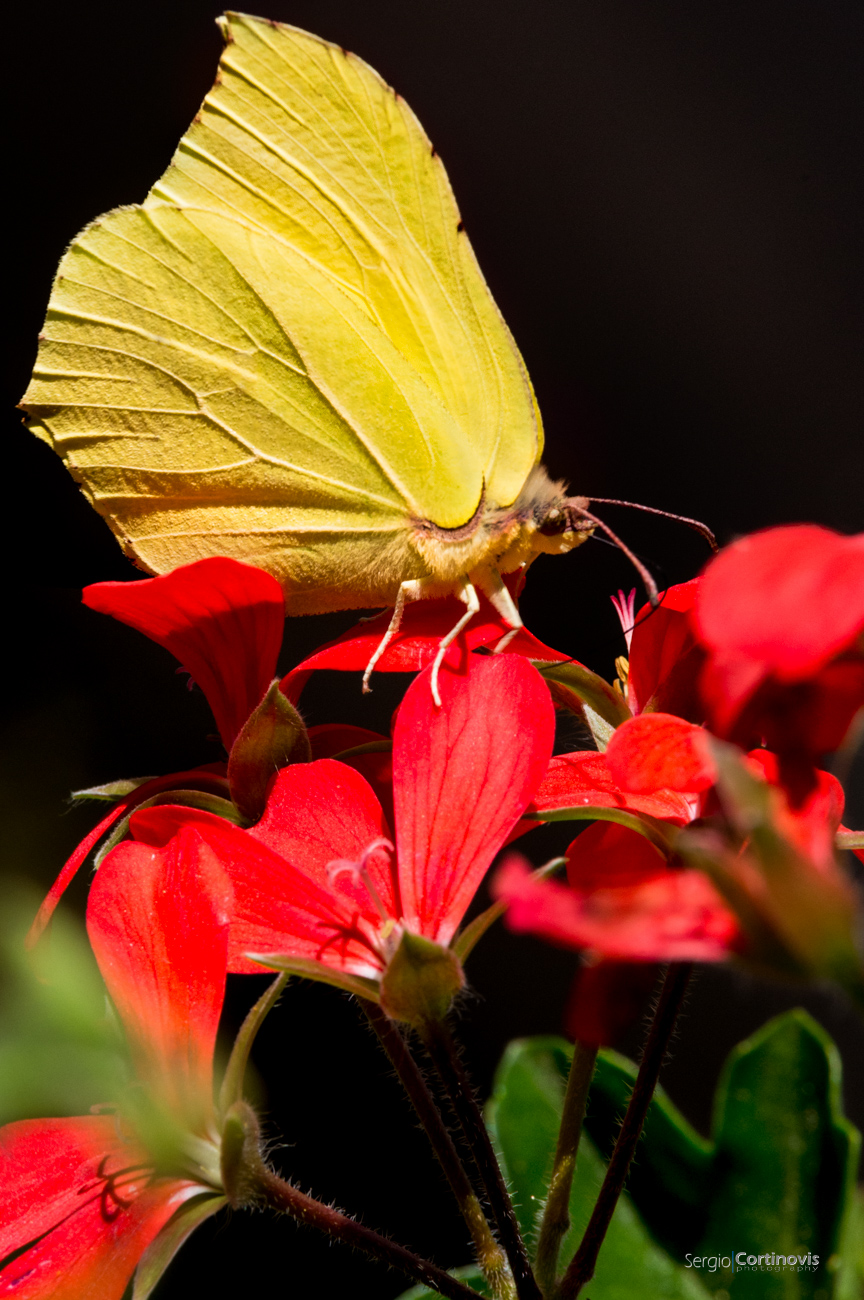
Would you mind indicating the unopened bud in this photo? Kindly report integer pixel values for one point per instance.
(273, 736)
(421, 981)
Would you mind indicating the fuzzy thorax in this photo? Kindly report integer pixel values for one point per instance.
(537, 522)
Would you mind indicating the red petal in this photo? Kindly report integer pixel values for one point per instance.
(283, 899)
(609, 856)
(462, 775)
(812, 825)
(657, 751)
(674, 916)
(583, 779)
(788, 598)
(89, 1229)
(664, 657)
(424, 624)
(158, 922)
(199, 778)
(223, 620)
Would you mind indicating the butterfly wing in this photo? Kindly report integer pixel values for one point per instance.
(287, 353)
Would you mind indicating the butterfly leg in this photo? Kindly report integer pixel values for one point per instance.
(467, 593)
(490, 583)
(412, 590)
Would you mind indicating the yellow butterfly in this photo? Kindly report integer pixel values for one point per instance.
(288, 354)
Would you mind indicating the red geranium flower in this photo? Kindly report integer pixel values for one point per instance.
(781, 615)
(318, 880)
(423, 626)
(664, 656)
(223, 621)
(84, 1198)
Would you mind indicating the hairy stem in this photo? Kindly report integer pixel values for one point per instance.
(287, 1199)
(556, 1212)
(490, 1256)
(584, 1262)
(235, 1071)
(445, 1058)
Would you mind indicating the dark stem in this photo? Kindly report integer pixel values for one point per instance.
(490, 1256)
(445, 1058)
(584, 1262)
(556, 1212)
(288, 1199)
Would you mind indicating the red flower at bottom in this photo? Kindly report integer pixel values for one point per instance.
(82, 1198)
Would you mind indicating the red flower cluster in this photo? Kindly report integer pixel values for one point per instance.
(715, 850)
(86, 1199)
(352, 858)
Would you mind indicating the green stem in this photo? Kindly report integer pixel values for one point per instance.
(490, 1256)
(232, 1083)
(582, 1266)
(287, 1199)
(556, 1212)
(445, 1058)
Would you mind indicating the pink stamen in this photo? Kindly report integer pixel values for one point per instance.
(359, 873)
(625, 608)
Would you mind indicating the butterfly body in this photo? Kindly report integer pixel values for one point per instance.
(287, 353)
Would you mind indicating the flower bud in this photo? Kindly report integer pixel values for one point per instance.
(421, 981)
(273, 736)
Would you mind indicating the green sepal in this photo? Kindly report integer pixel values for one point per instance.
(466, 940)
(165, 1245)
(112, 791)
(211, 803)
(273, 736)
(421, 981)
(573, 685)
(523, 1116)
(316, 970)
(661, 834)
(231, 1089)
(799, 917)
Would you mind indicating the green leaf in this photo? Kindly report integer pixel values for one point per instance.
(785, 1157)
(670, 1179)
(778, 1176)
(524, 1114)
(848, 1263)
(573, 685)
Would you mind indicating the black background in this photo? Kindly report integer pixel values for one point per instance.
(666, 201)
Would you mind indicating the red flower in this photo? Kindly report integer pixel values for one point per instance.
(317, 879)
(622, 900)
(664, 657)
(82, 1198)
(222, 619)
(781, 614)
(424, 625)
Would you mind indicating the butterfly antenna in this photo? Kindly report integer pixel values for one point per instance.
(696, 524)
(577, 512)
